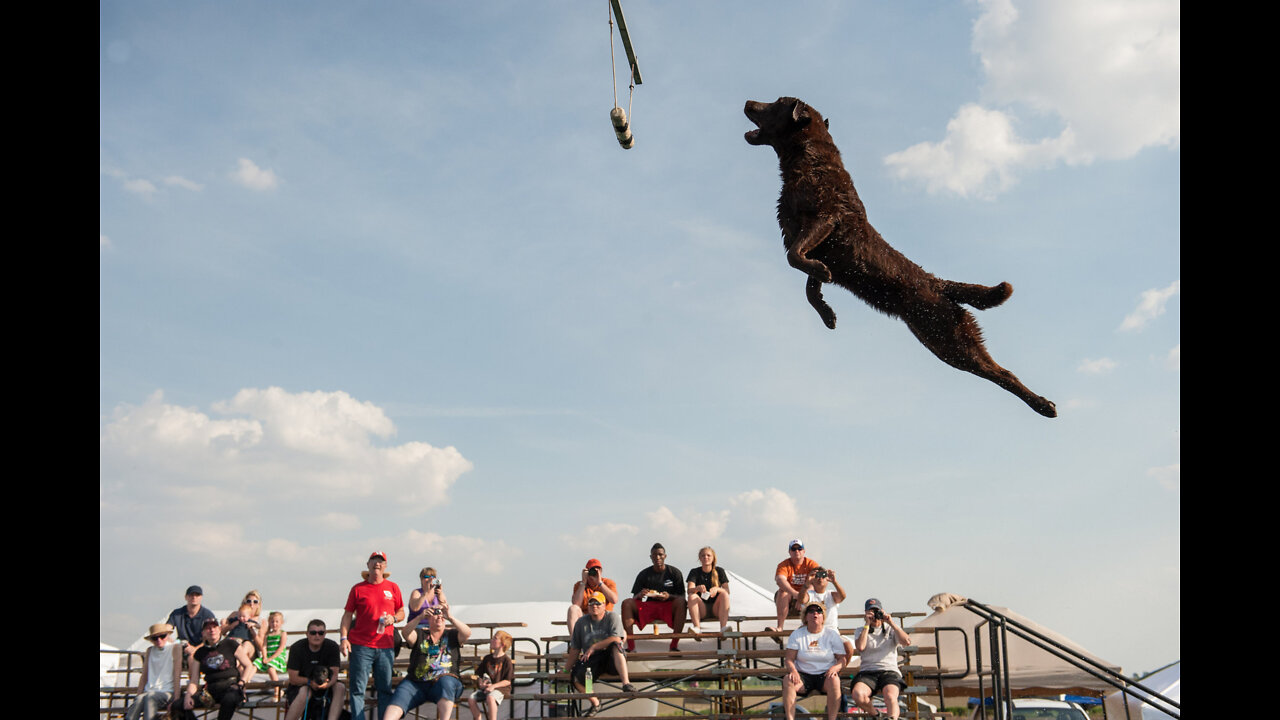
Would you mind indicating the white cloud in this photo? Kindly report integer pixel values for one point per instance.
(320, 444)
(339, 521)
(1101, 366)
(1150, 306)
(253, 177)
(689, 527)
(1108, 71)
(179, 181)
(139, 186)
(1169, 477)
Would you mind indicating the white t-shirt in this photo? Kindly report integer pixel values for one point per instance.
(815, 652)
(832, 608)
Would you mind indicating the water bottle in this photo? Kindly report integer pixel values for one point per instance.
(590, 684)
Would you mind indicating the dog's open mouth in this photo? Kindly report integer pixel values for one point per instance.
(753, 136)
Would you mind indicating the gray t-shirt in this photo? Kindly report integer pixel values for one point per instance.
(589, 632)
(882, 650)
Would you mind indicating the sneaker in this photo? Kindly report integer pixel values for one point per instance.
(629, 688)
(591, 711)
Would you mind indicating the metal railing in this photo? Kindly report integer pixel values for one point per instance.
(1000, 626)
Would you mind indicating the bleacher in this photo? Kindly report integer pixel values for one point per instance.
(734, 676)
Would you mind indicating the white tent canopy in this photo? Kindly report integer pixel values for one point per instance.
(1167, 681)
(1032, 670)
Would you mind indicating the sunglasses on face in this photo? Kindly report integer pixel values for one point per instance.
(157, 638)
(315, 632)
(594, 602)
(252, 601)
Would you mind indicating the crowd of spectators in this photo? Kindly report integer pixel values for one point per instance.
(227, 653)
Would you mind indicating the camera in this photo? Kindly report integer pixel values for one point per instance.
(435, 583)
(594, 572)
(877, 613)
(820, 574)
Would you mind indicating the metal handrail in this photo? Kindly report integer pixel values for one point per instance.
(1062, 652)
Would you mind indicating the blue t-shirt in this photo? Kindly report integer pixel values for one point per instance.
(189, 627)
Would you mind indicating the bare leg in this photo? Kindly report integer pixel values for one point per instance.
(832, 689)
(721, 606)
(789, 690)
(571, 619)
(339, 701)
(620, 662)
(299, 703)
(891, 700)
(444, 709)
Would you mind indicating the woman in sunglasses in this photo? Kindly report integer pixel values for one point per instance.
(243, 624)
(161, 670)
(427, 597)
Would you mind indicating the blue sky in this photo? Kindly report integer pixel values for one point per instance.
(378, 276)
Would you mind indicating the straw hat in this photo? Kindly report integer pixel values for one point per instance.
(158, 629)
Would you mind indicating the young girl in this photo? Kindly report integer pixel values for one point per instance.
(493, 677)
(708, 592)
(277, 650)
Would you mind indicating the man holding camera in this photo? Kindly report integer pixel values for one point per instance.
(877, 644)
(593, 581)
(313, 675)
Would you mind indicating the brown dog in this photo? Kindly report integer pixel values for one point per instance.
(827, 236)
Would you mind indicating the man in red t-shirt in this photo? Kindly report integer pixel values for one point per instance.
(792, 576)
(368, 626)
(593, 581)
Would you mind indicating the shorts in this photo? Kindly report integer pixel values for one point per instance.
(600, 663)
(497, 696)
(410, 694)
(812, 684)
(653, 611)
(877, 680)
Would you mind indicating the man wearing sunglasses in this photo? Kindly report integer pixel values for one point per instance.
(596, 646)
(308, 686)
(792, 579)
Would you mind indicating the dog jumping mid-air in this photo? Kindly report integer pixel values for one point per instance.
(827, 236)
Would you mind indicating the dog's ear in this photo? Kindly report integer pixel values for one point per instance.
(827, 123)
(800, 114)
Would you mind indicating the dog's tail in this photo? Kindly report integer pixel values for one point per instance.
(982, 297)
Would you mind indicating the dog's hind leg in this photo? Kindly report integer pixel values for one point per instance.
(954, 337)
(982, 297)
(813, 291)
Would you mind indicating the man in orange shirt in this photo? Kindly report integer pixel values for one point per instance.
(792, 576)
(593, 581)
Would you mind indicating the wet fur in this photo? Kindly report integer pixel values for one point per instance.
(827, 236)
